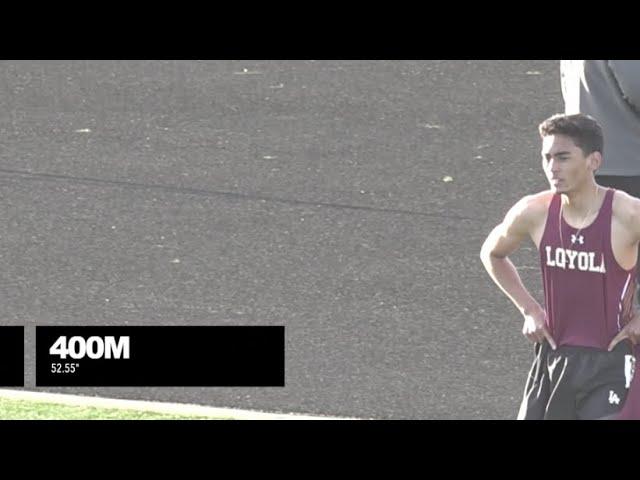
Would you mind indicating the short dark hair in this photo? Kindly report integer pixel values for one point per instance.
(583, 129)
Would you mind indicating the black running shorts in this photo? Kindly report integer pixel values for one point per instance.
(577, 383)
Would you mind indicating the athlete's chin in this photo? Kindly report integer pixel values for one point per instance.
(559, 187)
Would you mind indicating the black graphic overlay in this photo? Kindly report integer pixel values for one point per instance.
(176, 356)
(12, 356)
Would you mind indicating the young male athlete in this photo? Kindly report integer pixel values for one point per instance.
(587, 237)
(609, 91)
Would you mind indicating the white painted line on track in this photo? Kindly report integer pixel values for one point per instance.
(157, 407)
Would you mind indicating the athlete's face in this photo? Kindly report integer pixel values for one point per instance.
(566, 166)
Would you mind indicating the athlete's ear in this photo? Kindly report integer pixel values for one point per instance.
(595, 161)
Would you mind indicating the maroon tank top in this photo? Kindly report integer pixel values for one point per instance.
(588, 295)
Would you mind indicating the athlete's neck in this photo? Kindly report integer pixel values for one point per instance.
(584, 200)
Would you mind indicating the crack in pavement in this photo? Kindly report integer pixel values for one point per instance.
(213, 193)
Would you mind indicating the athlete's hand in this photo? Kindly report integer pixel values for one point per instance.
(631, 331)
(535, 327)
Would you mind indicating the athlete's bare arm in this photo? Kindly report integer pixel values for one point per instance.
(625, 233)
(625, 238)
(524, 220)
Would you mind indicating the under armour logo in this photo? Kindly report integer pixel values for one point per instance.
(579, 239)
(613, 398)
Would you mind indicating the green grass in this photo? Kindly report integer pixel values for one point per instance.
(32, 410)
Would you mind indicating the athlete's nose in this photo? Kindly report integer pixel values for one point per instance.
(554, 167)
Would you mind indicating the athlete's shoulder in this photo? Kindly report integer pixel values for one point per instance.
(535, 204)
(625, 207)
(540, 199)
(530, 210)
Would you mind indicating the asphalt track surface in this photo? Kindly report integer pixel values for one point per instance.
(310, 194)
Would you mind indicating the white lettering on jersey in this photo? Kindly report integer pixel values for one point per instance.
(565, 259)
